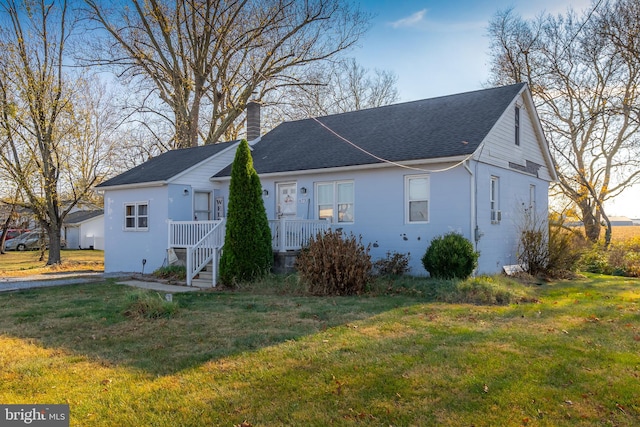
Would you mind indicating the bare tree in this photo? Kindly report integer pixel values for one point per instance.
(204, 59)
(587, 91)
(94, 147)
(11, 216)
(620, 23)
(338, 87)
(46, 115)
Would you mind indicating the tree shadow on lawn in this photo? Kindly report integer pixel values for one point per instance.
(90, 320)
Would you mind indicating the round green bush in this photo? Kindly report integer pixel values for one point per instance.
(450, 256)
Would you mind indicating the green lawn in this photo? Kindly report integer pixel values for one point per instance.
(19, 264)
(223, 358)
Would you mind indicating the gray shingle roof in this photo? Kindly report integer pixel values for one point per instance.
(447, 126)
(81, 216)
(166, 165)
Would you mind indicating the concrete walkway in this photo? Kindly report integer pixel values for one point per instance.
(71, 278)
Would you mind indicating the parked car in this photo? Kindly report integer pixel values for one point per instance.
(29, 241)
(12, 233)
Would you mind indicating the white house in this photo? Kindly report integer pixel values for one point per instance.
(139, 203)
(84, 229)
(397, 175)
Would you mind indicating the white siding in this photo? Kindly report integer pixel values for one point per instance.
(72, 236)
(198, 177)
(86, 235)
(180, 202)
(498, 245)
(92, 233)
(380, 207)
(125, 250)
(499, 147)
(380, 204)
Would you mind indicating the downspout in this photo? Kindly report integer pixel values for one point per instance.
(474, 232)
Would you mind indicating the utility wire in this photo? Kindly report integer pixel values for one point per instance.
(378, 157)
(591, 12)
(390, 161)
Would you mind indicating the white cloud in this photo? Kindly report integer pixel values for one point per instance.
(411, 20)
(420, 21)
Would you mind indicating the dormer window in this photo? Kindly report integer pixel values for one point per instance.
(517, 125)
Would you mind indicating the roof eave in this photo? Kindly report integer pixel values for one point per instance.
(132, 185)
(544, 145)
(73, 224)
(410, 164)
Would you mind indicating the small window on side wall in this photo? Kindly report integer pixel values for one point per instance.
(494, 200)
(517, 126)
(417, 198)
(136, 216)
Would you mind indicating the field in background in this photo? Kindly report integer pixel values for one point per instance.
(19, 264)
(622, 233)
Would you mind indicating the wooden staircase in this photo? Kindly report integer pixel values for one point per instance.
(204, 278)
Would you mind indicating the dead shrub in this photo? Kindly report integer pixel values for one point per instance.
(335, 264)
(534, 250)
(394, 264)
(566, 247)
(548, 247)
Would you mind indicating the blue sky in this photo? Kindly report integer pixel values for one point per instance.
(438, 47)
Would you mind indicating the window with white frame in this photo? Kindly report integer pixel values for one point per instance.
(335, 201)
(136, 216)
(417, 198)
(494, 200)
(202, 206)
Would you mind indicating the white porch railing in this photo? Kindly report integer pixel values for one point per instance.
(204, 251)
(183, 234)
(292, 234)
(203, 240)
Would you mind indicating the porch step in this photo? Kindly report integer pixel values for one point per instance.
(204, 278)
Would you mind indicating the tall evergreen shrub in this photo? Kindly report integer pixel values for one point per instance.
(247, 252)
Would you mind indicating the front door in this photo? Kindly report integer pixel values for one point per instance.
(287, 199)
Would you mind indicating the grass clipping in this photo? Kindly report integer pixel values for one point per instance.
(149, 305)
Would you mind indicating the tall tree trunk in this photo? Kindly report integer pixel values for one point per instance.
(5, 227)
(590, 220)
(54, 246)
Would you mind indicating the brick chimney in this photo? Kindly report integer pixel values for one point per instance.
(253, 120)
